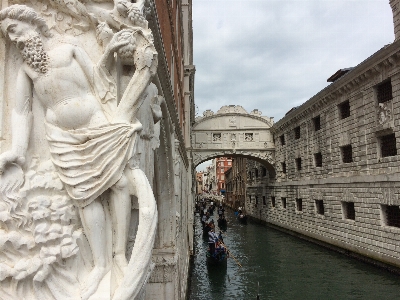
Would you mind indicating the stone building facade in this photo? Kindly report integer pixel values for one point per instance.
(236, 178)
(338, 164)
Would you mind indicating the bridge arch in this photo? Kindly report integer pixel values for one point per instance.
(234, 132)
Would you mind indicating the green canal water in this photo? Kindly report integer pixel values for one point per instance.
(284, 267)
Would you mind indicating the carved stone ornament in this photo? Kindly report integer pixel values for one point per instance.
(384, 113)
(81, 143)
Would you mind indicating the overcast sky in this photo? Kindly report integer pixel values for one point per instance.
(276, 54)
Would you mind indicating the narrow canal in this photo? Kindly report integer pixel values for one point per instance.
(285, 267)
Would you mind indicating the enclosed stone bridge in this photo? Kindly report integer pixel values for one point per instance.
(232, 131)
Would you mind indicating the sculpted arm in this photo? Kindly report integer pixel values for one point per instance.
(21, 121)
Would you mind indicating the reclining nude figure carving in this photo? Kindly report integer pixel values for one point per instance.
(91, 140)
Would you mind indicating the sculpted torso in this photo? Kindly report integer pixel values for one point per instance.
(65, 91)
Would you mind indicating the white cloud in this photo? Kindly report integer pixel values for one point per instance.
(275, 54)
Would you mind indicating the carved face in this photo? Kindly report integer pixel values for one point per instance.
(18, 31)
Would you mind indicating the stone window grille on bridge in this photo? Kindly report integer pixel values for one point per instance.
(344, 109)
(248, 137)
(216, 137)
(299, 204)
(318, 159)
(384, 91)
(256, 172)
(347, 154)
(388, 145)
(298, 163)
(282, 138)
(250, 198)
(283, 202)
(317, 123)
(319, 207)
(297, 132)
(272, 201)
(391, 215)
(348, 210)
(256, 200)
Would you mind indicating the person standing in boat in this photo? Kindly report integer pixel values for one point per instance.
(212, 239)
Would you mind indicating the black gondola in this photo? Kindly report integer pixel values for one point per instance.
(222, 223)
(242, 218)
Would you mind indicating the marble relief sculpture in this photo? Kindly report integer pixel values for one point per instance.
(84, 123)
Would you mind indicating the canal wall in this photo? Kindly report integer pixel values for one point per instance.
(338, 164)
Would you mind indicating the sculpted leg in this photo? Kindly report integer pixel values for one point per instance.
(94, 223)
(141, 254)
(120, 205)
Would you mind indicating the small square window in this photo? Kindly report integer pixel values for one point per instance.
(299, 204)
(384, 92)
(391, 215)
(344, 109)
(273, 201)
(264, 201)
(283, 202)
(347, 154)
(297, 132)
(283, 167)
(298, 163)
(318, 159)
(388, 145)
(319, 207)
(317, 123)
(282, 138)
(348, 210)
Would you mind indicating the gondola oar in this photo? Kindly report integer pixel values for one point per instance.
(230, 254)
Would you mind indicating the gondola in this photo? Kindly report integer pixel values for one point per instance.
(219, 257)
(222, 223)
(242, 218)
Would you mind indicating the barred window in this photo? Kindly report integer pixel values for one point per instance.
(298, 163)
(297, 132)
(264, 201)
(384, 91)
(388, 145)
(283, 202)
(318, 159)
(317, 123)
(319, 207)
(348, 210)
(284, 168)
(299, 204)
(344, 109)
(273, 201)
(391, 215)
(347, 154)
(282, 138)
